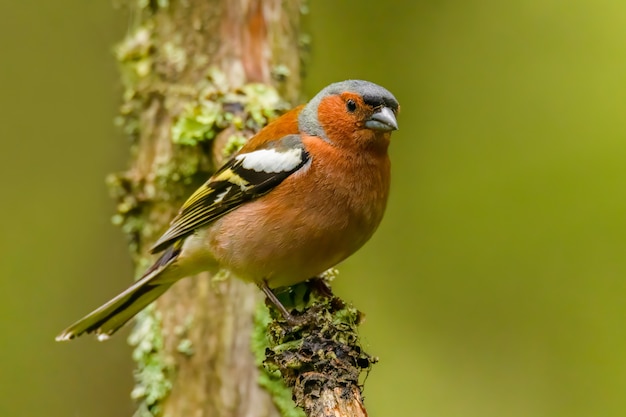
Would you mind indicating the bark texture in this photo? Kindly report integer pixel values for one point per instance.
(189, 70)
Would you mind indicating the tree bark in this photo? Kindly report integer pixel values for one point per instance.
(200, 76)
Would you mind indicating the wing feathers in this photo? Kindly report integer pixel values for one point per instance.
(243, 178)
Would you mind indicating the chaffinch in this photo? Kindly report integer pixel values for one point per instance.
(302, 195)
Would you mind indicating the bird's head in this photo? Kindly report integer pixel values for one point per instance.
(351, 112)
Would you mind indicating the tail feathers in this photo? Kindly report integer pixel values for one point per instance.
(110, 317)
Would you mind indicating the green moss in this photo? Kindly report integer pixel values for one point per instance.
(185, 346)
(233, 144)
(152, 4)
(280, 72)
(129, 209)
(199, 121)
(136, 52)
(174, 54)
(135, 55)
(218, 106)
(261, 103)
(270, 378)
(152, 383)
(173, 177)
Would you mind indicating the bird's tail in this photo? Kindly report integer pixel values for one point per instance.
(108, 318)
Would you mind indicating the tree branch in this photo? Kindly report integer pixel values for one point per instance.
(320, 358)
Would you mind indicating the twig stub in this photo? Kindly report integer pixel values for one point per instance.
(320, 358)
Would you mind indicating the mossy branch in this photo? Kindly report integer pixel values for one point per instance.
(320, 358)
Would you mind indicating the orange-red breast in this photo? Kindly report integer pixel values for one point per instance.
(302, 195)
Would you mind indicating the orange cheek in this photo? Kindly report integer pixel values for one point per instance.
(336, 122)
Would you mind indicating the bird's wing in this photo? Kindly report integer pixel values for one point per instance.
(245, 177)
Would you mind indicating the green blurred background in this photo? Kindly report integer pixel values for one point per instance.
(495, 284)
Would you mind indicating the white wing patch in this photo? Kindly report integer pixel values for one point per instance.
(271, 160)
(220, 196)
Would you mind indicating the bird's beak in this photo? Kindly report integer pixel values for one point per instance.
(383, 120)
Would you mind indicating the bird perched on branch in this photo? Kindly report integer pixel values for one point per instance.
(302, 195)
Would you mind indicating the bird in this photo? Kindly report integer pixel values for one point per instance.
(303, 194)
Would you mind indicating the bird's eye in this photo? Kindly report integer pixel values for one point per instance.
(351, 106)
